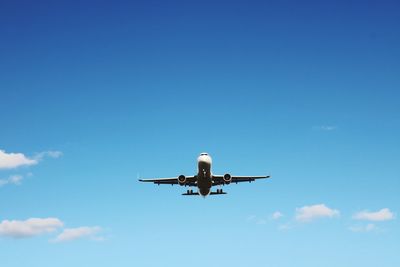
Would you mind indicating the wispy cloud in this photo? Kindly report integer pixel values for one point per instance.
(251, 218)
(326, 128)
(261, 221)
(256, 219)
(15, 160)
(276, 215)
(381, 215)
(13, 179)
(310, 213)
(50, 154)
(78, 233)
(285, 226)
(264, 220)
(363, 228)
(30, 227)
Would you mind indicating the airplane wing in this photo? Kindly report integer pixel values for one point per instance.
(219, 179)
(190, 180)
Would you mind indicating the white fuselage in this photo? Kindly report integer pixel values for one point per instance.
(204, 176)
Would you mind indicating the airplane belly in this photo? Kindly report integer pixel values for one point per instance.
(204, 184)
(204, 191)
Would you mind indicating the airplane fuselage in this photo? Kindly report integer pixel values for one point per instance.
(204, 175)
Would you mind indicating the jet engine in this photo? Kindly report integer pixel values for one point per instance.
(182, 179)
(227, 178)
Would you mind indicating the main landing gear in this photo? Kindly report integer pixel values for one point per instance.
(189, 191)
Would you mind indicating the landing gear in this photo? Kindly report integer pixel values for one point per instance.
(189, 191)
(219, 191)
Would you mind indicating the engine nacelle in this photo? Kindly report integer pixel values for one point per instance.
(182, 179)
(227, 178)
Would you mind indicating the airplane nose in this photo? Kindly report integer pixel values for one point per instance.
(205, 159)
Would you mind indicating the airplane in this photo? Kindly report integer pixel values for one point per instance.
(204, 179)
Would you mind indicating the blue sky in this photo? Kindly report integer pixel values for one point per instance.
(93, 94)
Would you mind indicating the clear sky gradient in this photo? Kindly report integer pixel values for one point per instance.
(99, 92)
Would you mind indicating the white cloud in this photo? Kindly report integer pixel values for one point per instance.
(325, 128)
(309, 213)
(367, 228)
(13, 179)
(14, 160)
(80, 232)
(381, 215)
(276, 215)
(38, 226)
(30, 227)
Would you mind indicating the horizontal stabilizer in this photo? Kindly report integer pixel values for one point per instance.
(218, 193)
(190, 193)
